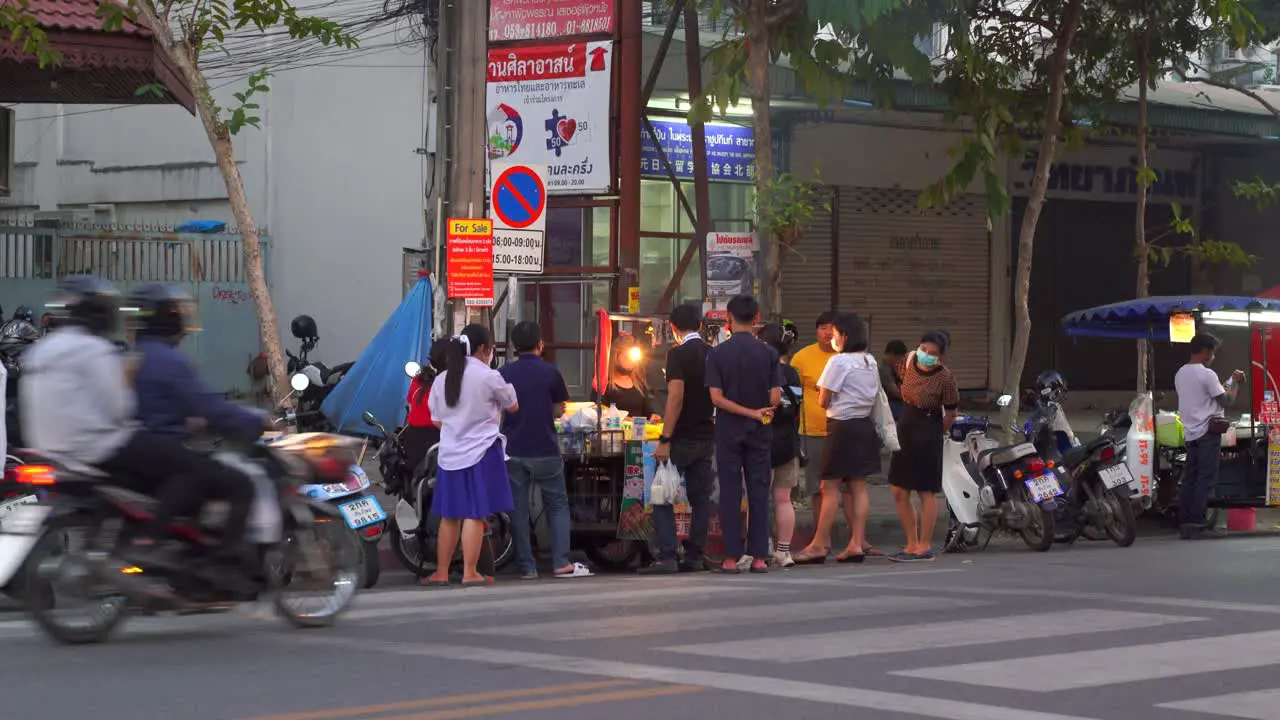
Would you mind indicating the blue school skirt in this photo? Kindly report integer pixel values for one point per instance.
(475, 492)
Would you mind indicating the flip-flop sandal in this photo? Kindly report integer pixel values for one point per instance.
(430, 584)
(855, 558)
(579, 571)
(763, 570)
(873, 551)
(722, 570)
(805, 558)
(484, 581)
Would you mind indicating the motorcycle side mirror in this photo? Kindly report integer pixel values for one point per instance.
(299, 382)
(412, 369)
(1004, 400)
(369, 419)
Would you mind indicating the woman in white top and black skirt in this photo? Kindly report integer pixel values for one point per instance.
(847, 390)
(467, 401)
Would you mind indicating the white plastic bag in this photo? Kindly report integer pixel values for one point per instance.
(665, 487)
(882, 416)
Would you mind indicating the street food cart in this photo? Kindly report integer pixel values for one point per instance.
(1249, 475)
(604, 454)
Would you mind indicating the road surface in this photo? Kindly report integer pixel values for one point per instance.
(1165, 630)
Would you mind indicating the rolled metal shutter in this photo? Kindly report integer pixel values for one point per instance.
(808, 273)
(908, 270)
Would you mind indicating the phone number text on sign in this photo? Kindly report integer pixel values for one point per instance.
(518, 251)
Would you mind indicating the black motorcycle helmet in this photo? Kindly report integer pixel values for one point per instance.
(304, 327)
(1050, 386)
(87, 301)
(25, 314)
(162, 311)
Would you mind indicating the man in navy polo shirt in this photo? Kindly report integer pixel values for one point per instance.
(534, 453)
(745, 381)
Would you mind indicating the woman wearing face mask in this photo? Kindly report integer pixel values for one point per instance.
(930, 400)
(628, 388)
(467, 401)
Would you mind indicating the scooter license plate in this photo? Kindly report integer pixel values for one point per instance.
(1044, 487)
(9, 507)
(1115, 476)
(26, 518)
(362, 512)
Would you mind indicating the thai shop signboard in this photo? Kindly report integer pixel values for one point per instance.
(549, 19)
(548, 105)
(731, 153)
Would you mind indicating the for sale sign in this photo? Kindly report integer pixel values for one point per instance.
(548, 19)
(469, 261)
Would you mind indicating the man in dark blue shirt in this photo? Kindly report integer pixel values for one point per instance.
(534, 452)
(171, 397)
(745, 381)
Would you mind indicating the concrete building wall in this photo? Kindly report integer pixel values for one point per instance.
(332, 175)
(906, 151)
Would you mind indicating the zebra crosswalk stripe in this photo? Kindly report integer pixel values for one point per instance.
(1259, 705)
(1114, 666)
(955, 633)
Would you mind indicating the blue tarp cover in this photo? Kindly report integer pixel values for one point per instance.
(377, 382)
(1149, 317)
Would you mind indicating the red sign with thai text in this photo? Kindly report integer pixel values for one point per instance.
(547, 19)
(469, 261)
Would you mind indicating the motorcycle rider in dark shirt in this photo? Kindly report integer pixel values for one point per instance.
(172, 399)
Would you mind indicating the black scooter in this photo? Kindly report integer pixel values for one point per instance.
(321, 378)
(1094, 476)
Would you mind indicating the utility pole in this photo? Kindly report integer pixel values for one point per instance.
(461, 159)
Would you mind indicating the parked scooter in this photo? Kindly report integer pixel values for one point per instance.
(1095, 479)
(990, 487)
(321, 379)
(352, 496)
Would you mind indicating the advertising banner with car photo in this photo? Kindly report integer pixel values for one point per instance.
(548, 105)
(548, 19)
(731, 264)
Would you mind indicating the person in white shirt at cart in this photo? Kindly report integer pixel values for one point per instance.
(1201, 402)
(467, 401)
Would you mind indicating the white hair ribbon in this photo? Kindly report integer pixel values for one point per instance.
(466, 342)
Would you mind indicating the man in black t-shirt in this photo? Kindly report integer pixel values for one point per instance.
(688, 442)
(745, 379)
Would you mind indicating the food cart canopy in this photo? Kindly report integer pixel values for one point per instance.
(1148, 318)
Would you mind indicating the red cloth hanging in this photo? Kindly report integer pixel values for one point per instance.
(604, 342)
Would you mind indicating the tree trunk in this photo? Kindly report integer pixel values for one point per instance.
(185, 59)
(758, 83)
(1140, 221)
(1035, 203)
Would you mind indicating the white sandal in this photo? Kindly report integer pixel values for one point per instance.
(579, 571)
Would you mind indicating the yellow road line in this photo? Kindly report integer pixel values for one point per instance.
(351, 712)
(567, 701)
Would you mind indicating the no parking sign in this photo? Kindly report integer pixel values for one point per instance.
(518, 197)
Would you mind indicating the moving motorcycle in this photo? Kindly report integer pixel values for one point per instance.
(351, 495)
(70, 546)
(991, 487)
(413, 529)
(321, 378)
(1096, 481)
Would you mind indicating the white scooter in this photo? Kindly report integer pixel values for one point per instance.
(990, 487)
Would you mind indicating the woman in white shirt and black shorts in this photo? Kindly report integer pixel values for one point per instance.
(847, 390)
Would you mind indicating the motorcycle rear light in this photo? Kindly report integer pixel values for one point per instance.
(1107, 453)
(1035, 465)
(33, 475)
(372, 531)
